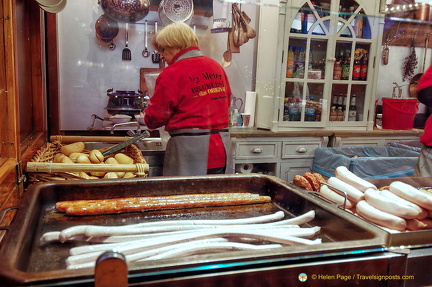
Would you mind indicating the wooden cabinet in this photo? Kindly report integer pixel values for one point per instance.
(22, 95)
(283, 156)
(315, 39)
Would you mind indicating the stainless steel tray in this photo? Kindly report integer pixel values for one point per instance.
(26, 261)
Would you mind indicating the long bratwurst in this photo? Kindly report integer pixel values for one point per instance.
(138, 204)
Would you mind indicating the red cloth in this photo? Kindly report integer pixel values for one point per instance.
(425, 82)
(192, 93)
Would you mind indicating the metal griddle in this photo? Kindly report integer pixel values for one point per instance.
(26, 261)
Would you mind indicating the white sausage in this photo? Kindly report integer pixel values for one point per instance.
(353, 193)
(278, 235)
(391, 196)
(379, 201)
(80, 229)
(347, 176)
(379, 217)
(336, 197)
(411, 193)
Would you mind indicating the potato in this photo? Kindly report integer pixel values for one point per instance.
(112, 160)
(96, 156)
(82, 158)
(123, 159)
(73, 156)
(73, 147)
(58, 157)
(110, 175)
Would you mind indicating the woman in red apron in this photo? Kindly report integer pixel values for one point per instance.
(191, 99)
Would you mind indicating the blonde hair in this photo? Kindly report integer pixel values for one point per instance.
(175, 35)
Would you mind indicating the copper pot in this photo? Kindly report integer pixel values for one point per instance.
(106, 28)
(126, 10)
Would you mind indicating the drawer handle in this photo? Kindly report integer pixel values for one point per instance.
(302, 149)
(257, 150)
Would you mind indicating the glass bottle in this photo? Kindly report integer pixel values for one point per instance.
(340, 115)
(346, 65)
(290, 63)
(357, 69)
(364, 68)
(286, 109)
(300, 65)
(352, 113)
(333, 114)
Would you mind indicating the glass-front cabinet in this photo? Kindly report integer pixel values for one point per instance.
(324, 66)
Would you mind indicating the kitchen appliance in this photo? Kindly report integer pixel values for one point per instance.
(126, 102)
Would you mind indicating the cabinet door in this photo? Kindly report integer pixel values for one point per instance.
(327, 49)
(292, 167)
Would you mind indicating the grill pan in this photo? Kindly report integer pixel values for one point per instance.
(26, 261)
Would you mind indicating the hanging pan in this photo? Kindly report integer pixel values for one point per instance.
(176, 11)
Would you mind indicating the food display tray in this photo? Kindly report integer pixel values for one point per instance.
(410, 238)
(26, 261)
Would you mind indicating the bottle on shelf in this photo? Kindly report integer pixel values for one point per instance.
(310, 60)
(290, 62)
(337, 70)
(333, 114)
(294, 111)
(335, 101)
(299, 61)
(286, 109)
(357, 68)
(310, 110)
(346, 65)
(340, 102)
(352, 113)
(344, 102)
(340, 115)
(318, 111)
(364, 68)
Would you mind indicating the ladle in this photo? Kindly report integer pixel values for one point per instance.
(227, 55)
(146, 52)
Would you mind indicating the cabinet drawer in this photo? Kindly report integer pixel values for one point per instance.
(296, 149)
(251, 151)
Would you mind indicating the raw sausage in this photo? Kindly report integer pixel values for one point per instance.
(379, 217)
(352, 179)
(411, 193)
(353, 193)
(379, 201)
(333, 195)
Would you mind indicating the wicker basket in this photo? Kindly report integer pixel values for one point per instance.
(47, 152)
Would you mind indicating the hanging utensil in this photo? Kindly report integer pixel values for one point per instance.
(126, 54)
(227, 55)
(413, 85)
(156, 55)
(386, 52)
(145, 52)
